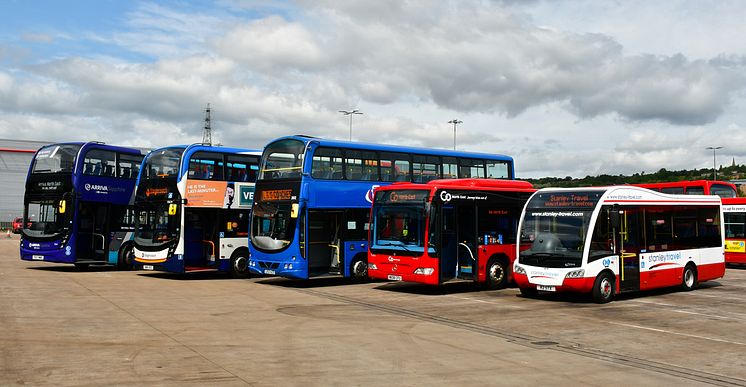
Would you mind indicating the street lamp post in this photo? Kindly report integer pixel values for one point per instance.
(350, 113)
(714, 164)
(455, 122)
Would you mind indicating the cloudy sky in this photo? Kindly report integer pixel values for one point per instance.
(565, 87)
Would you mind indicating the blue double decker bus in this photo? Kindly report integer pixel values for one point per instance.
(193, 204)
(313, 197)
(77, 204)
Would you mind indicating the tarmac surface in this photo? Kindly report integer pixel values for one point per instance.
(61, 326)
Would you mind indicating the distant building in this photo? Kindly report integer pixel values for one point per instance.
(15, 158)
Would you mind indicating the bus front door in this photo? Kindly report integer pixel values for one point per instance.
(466, 234)
(93, 232)
(629, 251)
(449, 245)
(325, 247)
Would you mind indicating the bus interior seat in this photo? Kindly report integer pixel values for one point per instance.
(96, 169)
(402, 177)
(337, 175)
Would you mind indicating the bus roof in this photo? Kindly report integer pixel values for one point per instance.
(465, 184)
(393, 148)
(683, 183)
(636, 195)
(90, 144)
(213, 148)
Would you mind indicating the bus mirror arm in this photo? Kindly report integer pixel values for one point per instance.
(614, 218)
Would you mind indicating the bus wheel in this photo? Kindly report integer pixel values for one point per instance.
(497, 274)
(81, 266)
(239, 265)
(359, 270)
(126, 257)
(603, 288)
(689, 280)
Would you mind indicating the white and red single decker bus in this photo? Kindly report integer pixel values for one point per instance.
(610, 240)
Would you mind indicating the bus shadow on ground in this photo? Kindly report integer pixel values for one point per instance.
(73, 269)
(582, 299)
(323, 282)
(198, 276)
(430, 290)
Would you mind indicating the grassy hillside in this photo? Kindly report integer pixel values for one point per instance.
(724, 173)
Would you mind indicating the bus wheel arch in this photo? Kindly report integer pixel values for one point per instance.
(497, 272)
(359, 267)
(126, 256)
(689, 279)
(604, 287)
(240, 263)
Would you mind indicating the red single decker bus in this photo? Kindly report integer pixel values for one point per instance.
(734, 214)
(723, 189)
(446, 230)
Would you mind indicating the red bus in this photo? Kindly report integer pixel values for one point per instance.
(723, 189)
(734, 214)
(446, 230)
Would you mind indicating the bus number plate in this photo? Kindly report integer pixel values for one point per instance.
(394, 277)
(37, 257)
(546, 288)
(147, 267)
(267, 271)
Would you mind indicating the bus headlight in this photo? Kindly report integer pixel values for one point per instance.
(252, 263)
(576, 274)
(517, 269)
(287, 266)
(424, 270)
(372, 266)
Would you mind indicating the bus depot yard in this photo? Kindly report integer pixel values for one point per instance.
(101, 326)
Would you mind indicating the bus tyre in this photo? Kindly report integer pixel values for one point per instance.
(689, 278)
(497, 274)
(359, 270)
(239, 265)
(126, 257)
(603, 288)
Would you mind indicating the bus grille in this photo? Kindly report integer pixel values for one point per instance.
(269, 265)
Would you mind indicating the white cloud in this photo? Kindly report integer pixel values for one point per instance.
(560, 97)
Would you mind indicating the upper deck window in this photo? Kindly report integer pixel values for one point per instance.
(241, 168)
(55, 159)
(282, 159)
(163, 163)
(206, 166)
(327, 164)
(722, 190)
(100, 162)
(129, 166)
(471, 168)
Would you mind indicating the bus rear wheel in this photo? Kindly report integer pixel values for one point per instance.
(603, 288)
(689, 278)
(239, 265)
(497, 274)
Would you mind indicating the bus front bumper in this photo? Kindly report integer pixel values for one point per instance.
(574, 285)
(46, 251)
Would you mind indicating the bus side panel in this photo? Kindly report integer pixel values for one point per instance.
(485, 252)
(712, 264)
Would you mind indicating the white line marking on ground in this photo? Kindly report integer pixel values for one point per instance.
(677, 333)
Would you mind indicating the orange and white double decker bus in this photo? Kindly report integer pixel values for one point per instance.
(462, 229)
